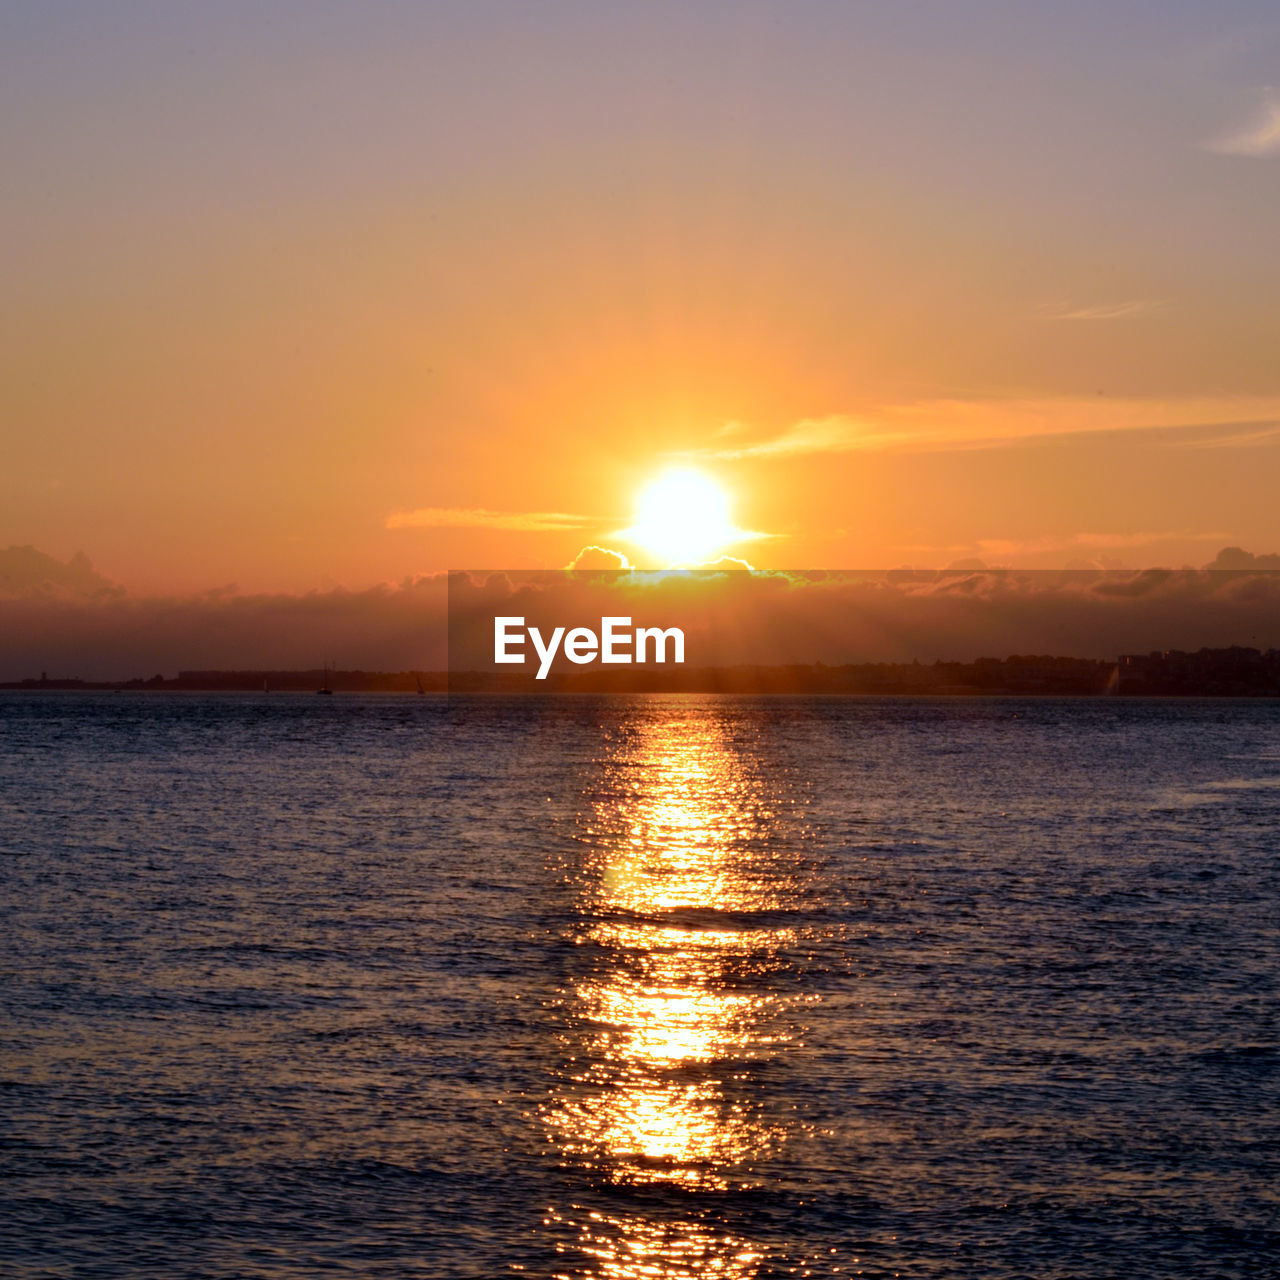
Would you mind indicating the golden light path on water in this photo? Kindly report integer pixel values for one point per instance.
(680, 894)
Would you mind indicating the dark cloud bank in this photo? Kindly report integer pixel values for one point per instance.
(66, 619)
(69, 621)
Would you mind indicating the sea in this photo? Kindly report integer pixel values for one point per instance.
(638, 987)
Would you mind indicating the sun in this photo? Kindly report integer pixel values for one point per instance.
(683, 517)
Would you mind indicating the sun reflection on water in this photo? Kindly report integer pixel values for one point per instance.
(636, 1247)
(681, 895)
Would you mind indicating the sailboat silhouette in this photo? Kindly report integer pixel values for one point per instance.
(324, 688)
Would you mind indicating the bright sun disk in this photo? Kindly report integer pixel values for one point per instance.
(683, 517)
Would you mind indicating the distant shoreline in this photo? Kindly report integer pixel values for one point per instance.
(1233, 672)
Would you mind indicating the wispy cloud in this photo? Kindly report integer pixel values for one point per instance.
(731, 536)
(938, 425)
(1130, 310)
(480, 518)
(841, 433)
(1235, 436)
(1259, 137)
(1094, 541)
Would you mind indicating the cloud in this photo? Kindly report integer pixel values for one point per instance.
(1260, 137)
(727, 563)
(762, 617)
(840, 433)
(599, 558)
(1237, 559)
(1103, 311)
(731, 536)
(1092, 542)
(480, 518)
(940, 425)
(115, 636)
(26, 573)
(1234, 436)
(774, 618)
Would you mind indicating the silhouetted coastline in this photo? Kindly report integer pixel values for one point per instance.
(353, 681)
(1232, 672)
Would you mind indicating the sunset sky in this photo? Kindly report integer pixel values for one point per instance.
(306, 295)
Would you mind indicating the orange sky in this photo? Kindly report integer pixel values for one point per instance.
(914, 289)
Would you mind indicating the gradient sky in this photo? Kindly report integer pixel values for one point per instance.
(305, 294)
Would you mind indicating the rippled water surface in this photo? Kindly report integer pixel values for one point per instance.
(638, 988)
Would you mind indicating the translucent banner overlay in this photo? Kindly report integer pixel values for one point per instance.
(1084, 632)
